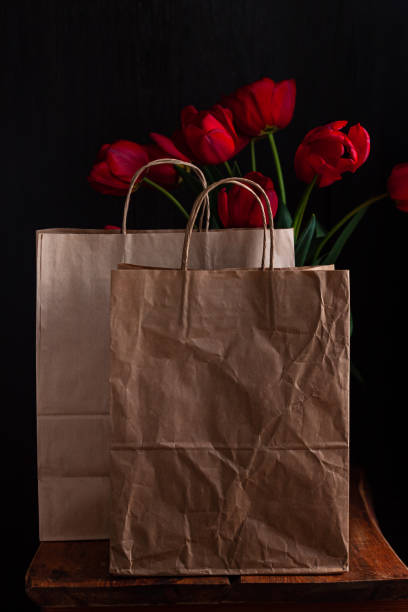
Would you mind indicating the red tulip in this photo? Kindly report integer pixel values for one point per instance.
(328, 152)
(206, 137)
(117, 163)
(398, 186)
(173, 148)
(262, 106)
(164, 174)
(210, 135)
(239, 208)
(111, 227)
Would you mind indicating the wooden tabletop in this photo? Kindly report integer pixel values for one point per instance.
(75, 574)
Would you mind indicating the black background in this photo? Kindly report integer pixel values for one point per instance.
(81, 73)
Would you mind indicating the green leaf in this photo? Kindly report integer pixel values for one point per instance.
(303, 243)
(337, 247)
(319, 234)
(300, 211)
(318, 261)
(320, 230)
(283, 217)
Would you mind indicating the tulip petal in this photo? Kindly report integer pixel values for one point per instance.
(102, 152)
(210, 135)
(325, 132)
(102, 180)
(217, 146)
(252, 106)
(346, 164)
(241, 143)
(211, 144)
(267, 184)
(224, 116)
(246, 116)
(361, 142)
(168, 146)
(283, 103)
(222, 202)
(402, 205)
(259, 106)
(397, 183)
(163, 174)
(331, 150)
(239, 208)
(328, 179)
(188, 114)
(328, 174)
(125, 158)
(337, 125)
(255, 218)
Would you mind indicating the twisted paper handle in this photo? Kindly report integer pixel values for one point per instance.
(159, 162)
(245, 184)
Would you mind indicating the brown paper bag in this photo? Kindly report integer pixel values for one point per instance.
(73, 288)
(230, 390)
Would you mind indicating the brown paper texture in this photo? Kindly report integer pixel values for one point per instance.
(73, 289)
(230, 414)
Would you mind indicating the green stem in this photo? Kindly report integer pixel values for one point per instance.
(209, 174)
(302, 207)
(278, 167)
(228, 167)
(345, 219)
(236, 169)
(253, 157)
(168, 195)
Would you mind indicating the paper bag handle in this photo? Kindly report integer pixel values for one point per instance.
(245, 184)
(240, 179)
(159, 162)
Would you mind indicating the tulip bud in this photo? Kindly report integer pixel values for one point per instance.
(262, 106)
(239, 208)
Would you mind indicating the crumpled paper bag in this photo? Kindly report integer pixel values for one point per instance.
(230, 399)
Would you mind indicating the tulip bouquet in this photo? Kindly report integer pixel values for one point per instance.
(214, 138)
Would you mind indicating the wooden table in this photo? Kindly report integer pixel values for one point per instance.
(66, 575)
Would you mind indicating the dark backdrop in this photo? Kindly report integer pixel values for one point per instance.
(81, 73)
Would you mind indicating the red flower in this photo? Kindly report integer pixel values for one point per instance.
(111, 227)
(239, 208)
(163, 174)
(326, 151)
(174, 147)
(398, 186)
(117, 163)
(206, 137)
(262, 106)
(210, 135)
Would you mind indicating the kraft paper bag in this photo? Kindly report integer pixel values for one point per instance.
(73, 289)
(230, 391)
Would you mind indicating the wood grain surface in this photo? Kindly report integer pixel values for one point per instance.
(358, 606)
(76, 573)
